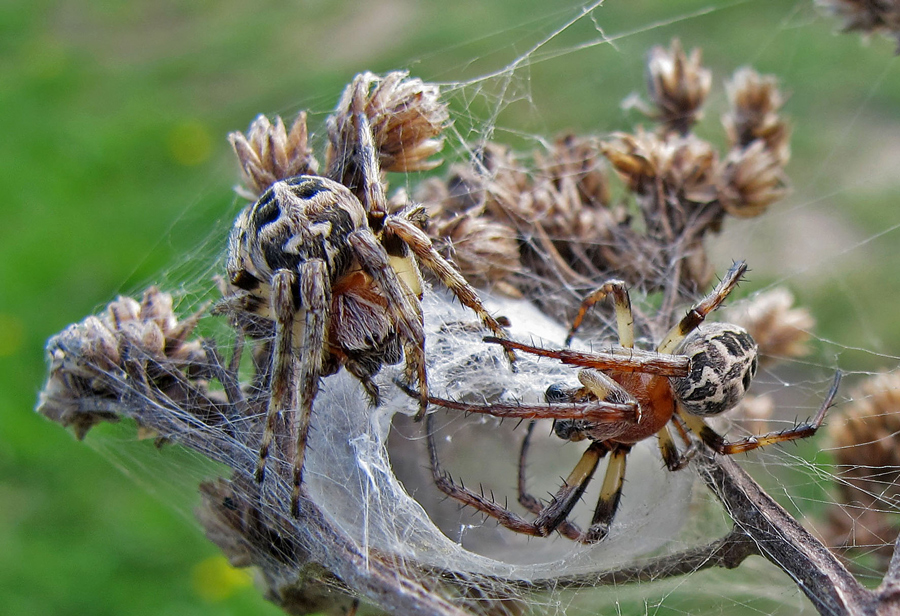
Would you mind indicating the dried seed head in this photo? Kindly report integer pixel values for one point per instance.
(152, 327)
(678, 86)
(463, 216)
(869, 16)
(751, 179)
(866, 435)
(682, 168)
(755, 102)
(406, 117)
(780, 330)
(576, 162)
(92, 341)
(484, 251)
(269, 153)
(94, 359)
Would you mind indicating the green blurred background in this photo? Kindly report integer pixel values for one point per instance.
(116, 174)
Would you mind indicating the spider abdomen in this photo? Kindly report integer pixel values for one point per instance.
(723, 363)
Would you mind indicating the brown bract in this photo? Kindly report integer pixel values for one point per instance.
(868, 16)
(781, 330)
(678, 85)
(755, 102)
(671, 168)
(406, 117)
(750, 180)
(864, 436)
(269, 152)
(566, 227)
(92, 359)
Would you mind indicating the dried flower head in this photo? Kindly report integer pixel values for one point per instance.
(780, 330)
(670, 167)
(269, 153)
(754, 105)
(486, 251)
(750, 180)
(678, 85)
(576, 161)
(571, 233)
(406, 117)
(543, 223)
(866, 435)
(92, 359)
(869, 16)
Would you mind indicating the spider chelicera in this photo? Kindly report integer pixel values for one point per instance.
(627, 395)
(340, 280)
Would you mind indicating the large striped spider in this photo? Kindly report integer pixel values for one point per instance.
(627, 395)
(340, 280)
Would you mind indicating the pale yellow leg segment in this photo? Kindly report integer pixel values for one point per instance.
(606, 389)
(615, 476)
(669, 451)
(610, 495)
(624, 315)
(423, 249)
(584, 469)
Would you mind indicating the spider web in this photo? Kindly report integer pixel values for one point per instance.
(826, 243)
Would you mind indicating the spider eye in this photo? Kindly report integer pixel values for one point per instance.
(723, 363)
(557, 392)
(569, 429)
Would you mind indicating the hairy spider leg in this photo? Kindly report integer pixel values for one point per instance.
(603, 386)
(718, 443)
(401, 227)
(610, 494)
(282, 373)
(315, 297)
(297, 333)
(445, 484)
(405, 310)
(372, 188)
(618, 360)
(697, 314)
(551, 517)
(423, 249)
(673, 459)
(599, 411)
(624, 314)
(527, 500)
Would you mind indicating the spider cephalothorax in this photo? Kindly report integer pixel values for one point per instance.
(628, 395)
(341, 283)
(309, 222)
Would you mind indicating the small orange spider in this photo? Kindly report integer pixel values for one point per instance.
(627, 395)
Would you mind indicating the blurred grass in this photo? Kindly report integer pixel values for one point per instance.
(115, 168)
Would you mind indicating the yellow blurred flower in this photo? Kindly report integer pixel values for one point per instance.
(215, 580)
